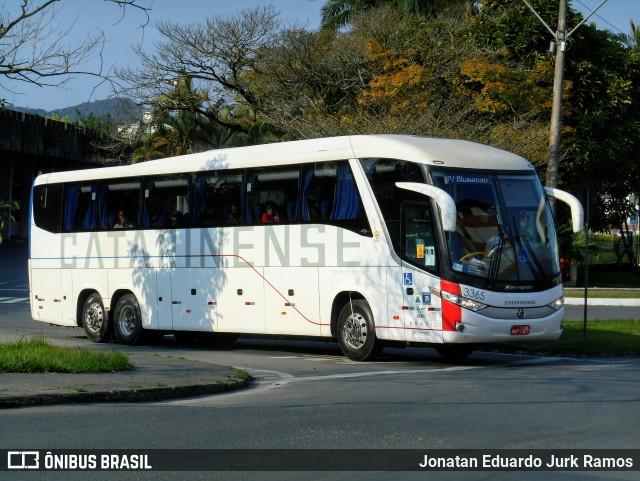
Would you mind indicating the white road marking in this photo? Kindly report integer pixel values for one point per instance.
(266, 380)
(13, 300)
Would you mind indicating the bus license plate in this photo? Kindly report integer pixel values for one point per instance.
(520, 330)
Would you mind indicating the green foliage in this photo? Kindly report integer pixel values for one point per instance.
(103, 126)
(604, 338)
(37, 355)
(183, 124)
(601, 115)
(6, 208)
(508, 24)
(604, 123)
(617, 278)
(573, 245)
(339, 13)
(175, 133)
(632, 39)
(55, 116)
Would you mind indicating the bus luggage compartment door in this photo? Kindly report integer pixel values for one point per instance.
(292, 300)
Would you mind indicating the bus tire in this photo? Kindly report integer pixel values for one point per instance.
(95, 320)
(455, 352)
(357, 333)
(127, 320)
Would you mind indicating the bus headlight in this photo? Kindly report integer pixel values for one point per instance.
(461, 301)
(557, 304)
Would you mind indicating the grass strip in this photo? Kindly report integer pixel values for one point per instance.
(620, 338)
(38, 356)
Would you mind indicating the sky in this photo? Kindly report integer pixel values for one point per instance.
(123, 31)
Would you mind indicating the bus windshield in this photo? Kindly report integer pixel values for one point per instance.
(504, 230)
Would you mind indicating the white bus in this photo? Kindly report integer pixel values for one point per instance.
(373, 240)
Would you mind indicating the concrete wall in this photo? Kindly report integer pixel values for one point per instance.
(30, 145)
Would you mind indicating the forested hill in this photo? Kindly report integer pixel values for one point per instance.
(120, 110)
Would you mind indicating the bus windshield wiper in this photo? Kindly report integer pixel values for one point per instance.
(495, 261)
(525, 242)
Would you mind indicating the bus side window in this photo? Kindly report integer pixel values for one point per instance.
(217, 199)
(330, 195)
(383, 173)
(120, 206)
(165, 202)
(272, 195)
(47, 206)
(80, 206)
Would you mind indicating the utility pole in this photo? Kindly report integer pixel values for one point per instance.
(560, 46)
(558, 88)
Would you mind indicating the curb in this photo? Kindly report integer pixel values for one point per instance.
(124, 395)
(624, 302)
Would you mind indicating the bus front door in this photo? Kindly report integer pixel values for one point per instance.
(422, 313)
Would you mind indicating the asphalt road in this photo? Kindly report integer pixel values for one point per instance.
(308, 396)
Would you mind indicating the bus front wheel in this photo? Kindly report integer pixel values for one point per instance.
(94, 319)
(127, 320)
(357, 333)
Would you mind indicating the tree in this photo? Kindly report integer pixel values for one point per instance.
(485, 77)
(393, 73)
(339, 13)
(102, 126)
(33, 47)
(601, 118)
(605, 143)
(632, 39)
(219, 57)
(253, 77)
(180, 127)
(414, 62)
(309, 82)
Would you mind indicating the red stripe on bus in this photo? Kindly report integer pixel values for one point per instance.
(451, 313)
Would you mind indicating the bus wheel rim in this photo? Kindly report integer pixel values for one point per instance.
(93, 318)
(127, 320)
(355, 331)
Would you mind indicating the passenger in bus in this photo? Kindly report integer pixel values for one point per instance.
(175, 219)
(122, 222)
(270, 215)
(234, 215)
(155, 219)
(317, 211)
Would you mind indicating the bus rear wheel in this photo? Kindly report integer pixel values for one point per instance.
(357, 333)
(95, 320)
(127, 320)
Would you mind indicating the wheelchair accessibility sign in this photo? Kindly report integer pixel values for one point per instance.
(408, 279)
